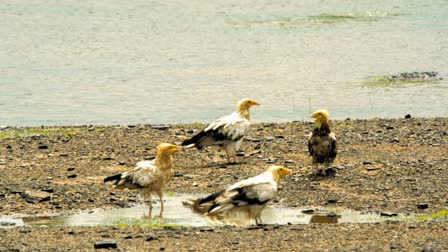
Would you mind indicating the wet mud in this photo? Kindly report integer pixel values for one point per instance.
(391, 168)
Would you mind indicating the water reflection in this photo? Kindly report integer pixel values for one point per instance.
(176, 214)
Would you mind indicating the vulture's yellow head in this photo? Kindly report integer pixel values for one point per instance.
(321, 116)
(247, 103)
(168, 148)
(244, 105)
(280, 171)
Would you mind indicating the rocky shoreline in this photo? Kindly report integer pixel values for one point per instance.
(383, 165)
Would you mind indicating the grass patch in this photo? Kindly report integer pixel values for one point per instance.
(388, 81)
(293, 20)
(332, 18)
(13, 133)
(441, 214)
(126, 222)
(329, 18)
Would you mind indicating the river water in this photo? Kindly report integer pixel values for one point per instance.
(69, 62)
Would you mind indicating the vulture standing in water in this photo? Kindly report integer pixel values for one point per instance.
(149, 176)
(242, 200)
(322, 143)
(226, 132)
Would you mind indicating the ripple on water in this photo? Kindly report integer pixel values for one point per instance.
(175, 214)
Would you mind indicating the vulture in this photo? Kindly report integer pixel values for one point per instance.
(245, 199)
(322, 144)
(149, 177)
(226, 132)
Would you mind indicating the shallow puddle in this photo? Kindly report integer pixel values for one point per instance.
(177, 214)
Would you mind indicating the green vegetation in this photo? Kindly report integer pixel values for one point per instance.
(332, 18)
(388, 81)
(294, 20)
(441, 214)
(327, 18)
(12, 133)
(125, 222)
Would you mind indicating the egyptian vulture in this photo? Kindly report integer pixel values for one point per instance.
(149, 176)
(245, 199)
(226, 132)
(322, 143)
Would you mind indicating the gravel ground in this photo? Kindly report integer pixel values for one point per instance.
(383, 165)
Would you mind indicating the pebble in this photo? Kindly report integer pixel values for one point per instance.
(388, 214)
(206, 229)
(308, 211)
(105, 244)
(42, 146)
(48, 189)
(408, 116)
(2, 162)
(35, 196)
(160, 127)
(72, 176)
(269, 138)
(422, 205)
(372, 168)
(151, 237)
(178, 174)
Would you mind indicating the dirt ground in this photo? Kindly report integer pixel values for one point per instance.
(383, 165)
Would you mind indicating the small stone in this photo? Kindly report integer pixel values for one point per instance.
(72, 176)
(195, 183)
(5, 223)
(395, 140)
(388, 214)
(71, 169)
(422, 205)
(372, 168)
(269, 138)
(332, 201)
(189, 131)
(366, 162)
(178, 174)
(408, 116)
(48, 189)
(105, 244)
(206, 229)
(42, 146)
(271, 160)
(289, 161)
(35, 196)
(151, 237)
(160, 127)
(162, 248)
(2, 162)
(308, 211)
